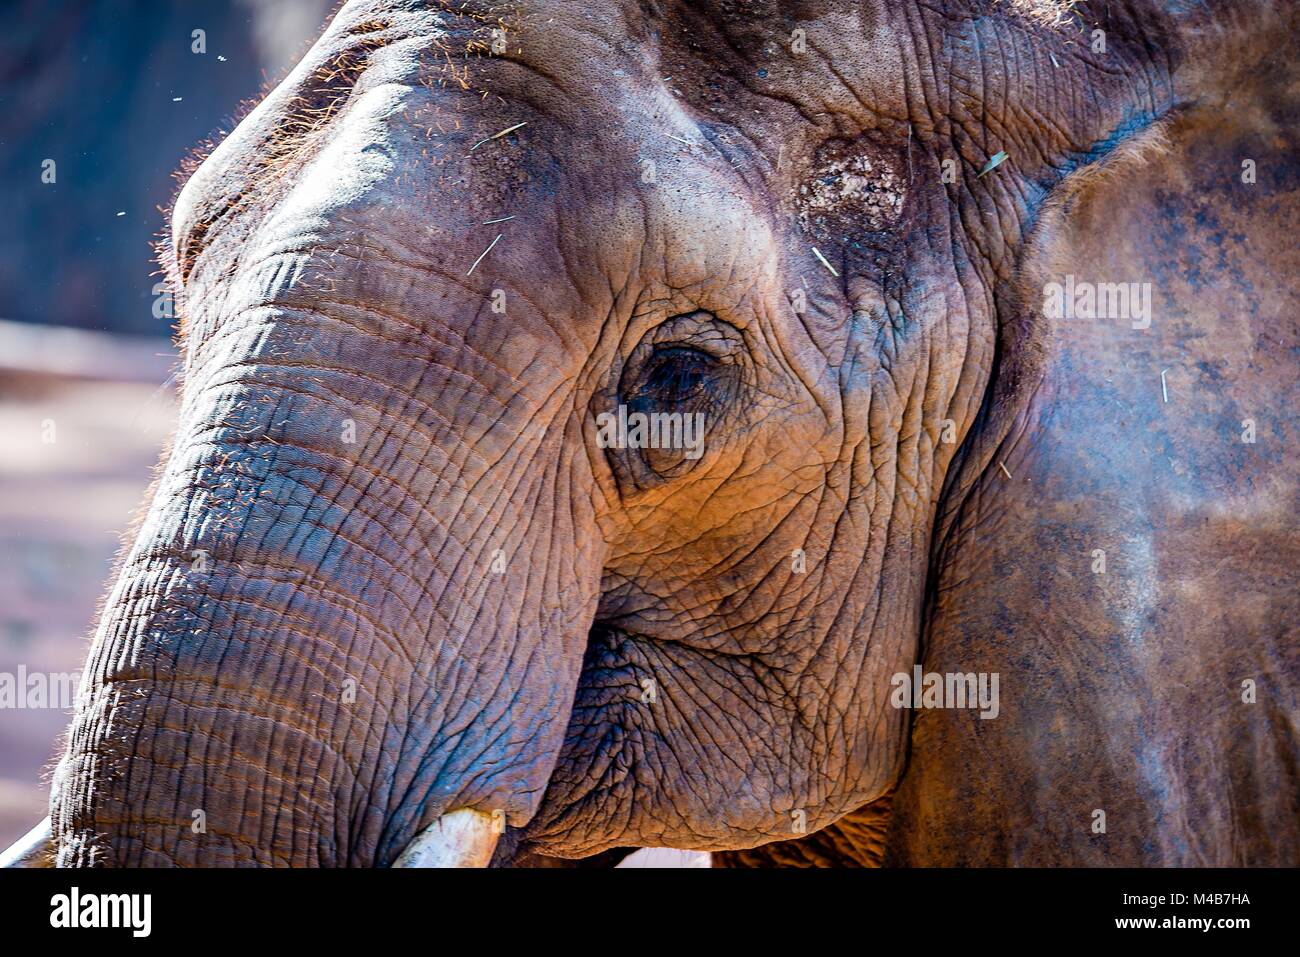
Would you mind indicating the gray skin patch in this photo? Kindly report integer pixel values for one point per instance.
(851, 188)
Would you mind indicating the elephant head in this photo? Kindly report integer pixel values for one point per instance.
(577, 406)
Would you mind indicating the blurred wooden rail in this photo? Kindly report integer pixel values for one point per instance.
(65, 352)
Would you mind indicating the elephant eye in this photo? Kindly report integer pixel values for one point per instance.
(676, 376)
(676, 395)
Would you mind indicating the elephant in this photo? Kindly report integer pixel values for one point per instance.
(983, 551)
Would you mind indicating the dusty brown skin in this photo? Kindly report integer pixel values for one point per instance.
(1125, 689)
(346, 664)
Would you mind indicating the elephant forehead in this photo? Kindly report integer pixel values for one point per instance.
(352, 171)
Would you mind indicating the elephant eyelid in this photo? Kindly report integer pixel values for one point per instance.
(677, 370)
(683, 374)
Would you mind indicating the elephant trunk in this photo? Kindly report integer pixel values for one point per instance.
(347, 614)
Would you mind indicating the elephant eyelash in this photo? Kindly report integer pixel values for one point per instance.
(677, 372)
(685, 379)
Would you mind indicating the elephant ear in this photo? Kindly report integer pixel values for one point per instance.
(1119, 543)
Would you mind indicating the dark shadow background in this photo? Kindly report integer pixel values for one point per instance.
(91, 85)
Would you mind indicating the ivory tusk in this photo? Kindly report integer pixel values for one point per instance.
(463, 838)
(33, 849)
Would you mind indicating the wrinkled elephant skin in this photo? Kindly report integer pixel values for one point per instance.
(411, 571)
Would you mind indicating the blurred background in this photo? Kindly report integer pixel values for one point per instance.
(100, 100)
